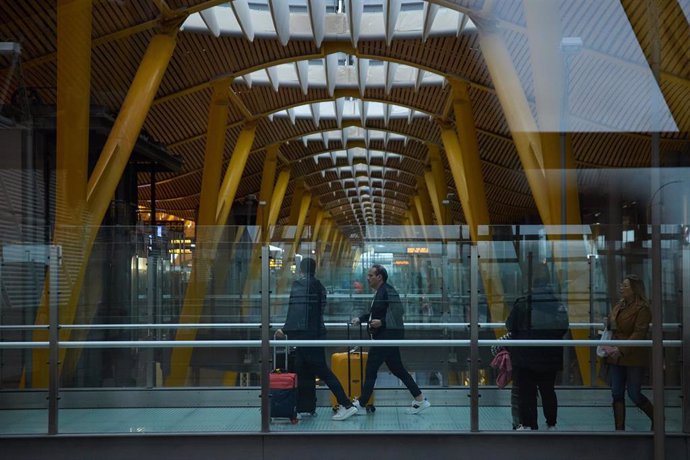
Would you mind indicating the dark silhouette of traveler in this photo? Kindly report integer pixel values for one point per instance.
(629, 320)
(539, 315)
(304, 321)
(385, 320)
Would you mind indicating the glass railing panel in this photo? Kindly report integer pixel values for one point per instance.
(24, 264)
(584, 271)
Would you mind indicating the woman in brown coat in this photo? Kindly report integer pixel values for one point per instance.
(629, 320)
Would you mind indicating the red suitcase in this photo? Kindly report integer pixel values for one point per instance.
(283, 390)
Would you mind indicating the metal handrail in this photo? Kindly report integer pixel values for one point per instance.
(667, 326)
(333, 343)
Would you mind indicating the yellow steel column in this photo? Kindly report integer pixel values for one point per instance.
(277, 201)
(433, 195)
(77, 246)
(518, 114)
(531, 151)
(439, 177)
(267, 179)
(72, 149)
(544, 34)
(317, 225)
(233, 174)
(466, 161)
(296, 204)
(206, 248)
(115, 155)
(206, 231)
(301, 218)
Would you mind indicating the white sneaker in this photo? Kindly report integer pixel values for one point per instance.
(343, 413)
(551, 428)
(523, 428)
(360, 410)
(418, 406)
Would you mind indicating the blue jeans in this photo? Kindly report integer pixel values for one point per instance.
(626, 376)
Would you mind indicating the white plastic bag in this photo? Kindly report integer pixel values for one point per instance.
(604, 350)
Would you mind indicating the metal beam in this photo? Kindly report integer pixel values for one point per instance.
(203, 256)
(207, 240)
(277, 199)
(268, 177)
(529, 145)
(77, 246)
(233, 173)
(72, 150)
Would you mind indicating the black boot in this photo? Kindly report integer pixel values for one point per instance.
(648, 408)
(619, 415)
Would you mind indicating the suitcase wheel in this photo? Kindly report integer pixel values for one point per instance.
(371, 409)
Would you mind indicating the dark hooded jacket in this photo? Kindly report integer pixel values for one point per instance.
(305, 310)
(538, 316)
(387, 307)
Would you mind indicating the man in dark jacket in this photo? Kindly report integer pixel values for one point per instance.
(385, 320)
(304, 321)
(537, 316)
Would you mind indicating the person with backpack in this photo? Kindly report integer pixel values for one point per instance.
(539, 315)
(385, 320)
(304, 321)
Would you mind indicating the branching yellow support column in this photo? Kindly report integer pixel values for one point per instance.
(433, 195)
(268, 177)
(206, 245)
(531, 147)
(73, 102)
(204, 254)
(301, 219)
(462, 150)
(277, 201)
(77, 246)
(518, 115)
(317, 225)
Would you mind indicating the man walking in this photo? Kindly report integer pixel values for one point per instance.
(304, 321)
(385, 320)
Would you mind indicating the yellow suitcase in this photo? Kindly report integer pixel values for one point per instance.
(352, 380)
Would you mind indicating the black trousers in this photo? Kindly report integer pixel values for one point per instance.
(390, 356)
(313, 360)
(529, 381)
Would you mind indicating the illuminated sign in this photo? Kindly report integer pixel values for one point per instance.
(418, 250)
(401, 262)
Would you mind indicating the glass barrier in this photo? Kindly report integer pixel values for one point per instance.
(171, 324)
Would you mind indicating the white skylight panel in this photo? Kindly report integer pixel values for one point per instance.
(369, 19)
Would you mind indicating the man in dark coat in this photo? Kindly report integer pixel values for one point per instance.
(385, 320)
(537, 316)
(304, 321)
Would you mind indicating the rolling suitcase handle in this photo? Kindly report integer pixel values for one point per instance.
(361, 363)
(275, 353)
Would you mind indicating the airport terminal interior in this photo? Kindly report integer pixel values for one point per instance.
(167, 166)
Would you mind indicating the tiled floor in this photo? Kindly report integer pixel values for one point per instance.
(224, 420)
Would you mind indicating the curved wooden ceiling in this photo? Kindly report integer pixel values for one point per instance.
(122, 31)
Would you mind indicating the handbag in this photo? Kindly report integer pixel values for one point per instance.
(604, 350)
(504, 368)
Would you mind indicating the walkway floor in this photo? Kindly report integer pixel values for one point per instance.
(386, 419)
